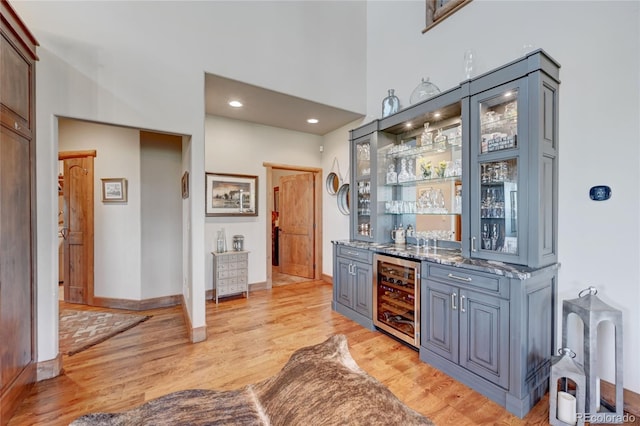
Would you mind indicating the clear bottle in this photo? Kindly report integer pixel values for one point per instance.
(220, 242)
(390, 104)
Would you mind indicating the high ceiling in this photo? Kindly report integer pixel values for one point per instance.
(271, 108)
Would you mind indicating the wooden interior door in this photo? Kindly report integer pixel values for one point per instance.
(297, 223)
(78, 226)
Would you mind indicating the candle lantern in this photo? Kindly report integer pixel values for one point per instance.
(565, 403)
(592, 311)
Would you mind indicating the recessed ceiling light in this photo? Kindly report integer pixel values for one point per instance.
(437, 114)
(235, 104)
(408, 124)
(312, 121)
(508, 94)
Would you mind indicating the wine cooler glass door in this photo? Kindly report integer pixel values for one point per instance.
(396, 298)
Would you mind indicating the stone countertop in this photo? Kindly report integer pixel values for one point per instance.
(449, 257)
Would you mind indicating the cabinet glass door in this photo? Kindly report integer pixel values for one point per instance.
(499, 122)
(363, 189)
(498, 159)
(499, 206)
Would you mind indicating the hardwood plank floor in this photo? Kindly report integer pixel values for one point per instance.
(248, 340)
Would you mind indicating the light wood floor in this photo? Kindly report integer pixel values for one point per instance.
(248, 340)
(279, 279)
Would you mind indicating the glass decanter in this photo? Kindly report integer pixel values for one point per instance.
(426, 139)
(441, 140)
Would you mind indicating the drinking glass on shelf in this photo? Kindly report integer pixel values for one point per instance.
(457, 167)
(448, 169)
(485, 173)
(511, 110)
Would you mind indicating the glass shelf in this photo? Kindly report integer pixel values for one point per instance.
(452, 145)
(500, 125)
(426, 181)
(425, 214)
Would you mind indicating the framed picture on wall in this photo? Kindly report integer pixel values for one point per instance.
(114, 190)
(231, 195)
(438, 10)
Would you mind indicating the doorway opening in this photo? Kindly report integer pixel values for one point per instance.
(131, 256)
(294, 231)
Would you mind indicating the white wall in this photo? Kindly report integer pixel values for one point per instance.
(335, 225)
(160, 214)
(239, 147)
(598, 45)
(147, 72)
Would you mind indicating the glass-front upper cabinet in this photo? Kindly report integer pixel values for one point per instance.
(513, 138)
(498, 131)
(424, 171)
(367, 223)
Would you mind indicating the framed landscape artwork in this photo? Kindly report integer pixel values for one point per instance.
(231, 195)
(114, 190)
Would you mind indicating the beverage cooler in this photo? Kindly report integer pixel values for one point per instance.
(396, 298)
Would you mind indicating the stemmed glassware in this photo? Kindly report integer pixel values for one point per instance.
(469, 58)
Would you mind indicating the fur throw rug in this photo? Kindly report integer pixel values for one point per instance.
(319, 385)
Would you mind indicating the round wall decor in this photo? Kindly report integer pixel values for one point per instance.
(343, 199)
(332, 183)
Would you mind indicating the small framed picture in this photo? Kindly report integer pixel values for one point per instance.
(114, 190)
(231, 195)
(185, 185)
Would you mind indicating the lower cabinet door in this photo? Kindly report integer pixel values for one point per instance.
(484, 336)
(363, 289)
(439, 328)
(344, 284)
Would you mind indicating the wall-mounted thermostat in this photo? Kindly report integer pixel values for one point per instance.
(600, 193)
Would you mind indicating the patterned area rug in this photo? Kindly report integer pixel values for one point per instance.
(80, 330)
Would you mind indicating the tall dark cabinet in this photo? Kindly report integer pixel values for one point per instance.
(17, 212)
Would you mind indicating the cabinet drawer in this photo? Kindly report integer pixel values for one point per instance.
(365, 256)
(489, 283)
(224, 273)
(237, 257)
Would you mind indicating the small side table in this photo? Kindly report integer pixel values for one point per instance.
(230, 270)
